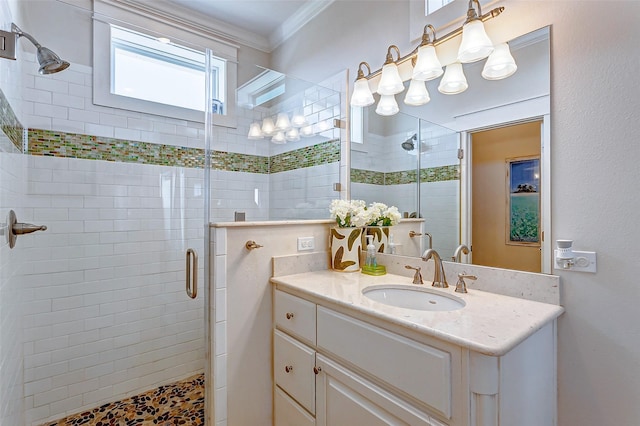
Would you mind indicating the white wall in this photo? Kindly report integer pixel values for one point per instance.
(595, 110)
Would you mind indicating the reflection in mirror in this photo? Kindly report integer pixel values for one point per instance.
(284, 157)
(420, 175)
(446, 123)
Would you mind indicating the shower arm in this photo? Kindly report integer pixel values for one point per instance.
(20, 33)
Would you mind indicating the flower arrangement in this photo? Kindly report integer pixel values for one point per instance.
(355, 213)
(349, 213)
(382, 215)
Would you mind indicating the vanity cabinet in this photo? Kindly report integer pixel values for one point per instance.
(337, 368)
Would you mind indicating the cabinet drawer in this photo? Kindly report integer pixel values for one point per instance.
(289, 413)
(421, 371)
(296, 316)
(293, 365)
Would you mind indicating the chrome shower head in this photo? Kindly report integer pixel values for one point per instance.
(409, 144)
(49, 62)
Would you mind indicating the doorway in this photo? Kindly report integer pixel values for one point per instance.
(506, 229)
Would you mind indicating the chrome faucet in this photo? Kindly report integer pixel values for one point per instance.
(460, 249)
(439, 280)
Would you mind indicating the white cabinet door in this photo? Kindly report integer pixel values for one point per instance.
(288, 412)
(344, 398)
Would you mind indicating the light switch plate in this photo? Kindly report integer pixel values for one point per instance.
(306, 243)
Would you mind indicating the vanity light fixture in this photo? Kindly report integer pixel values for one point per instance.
(255, 132)
(279, 138)
(268, 128)
(282, 122)
(475, 45)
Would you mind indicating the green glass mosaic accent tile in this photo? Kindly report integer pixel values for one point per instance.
(367, 176)
(432, 174)
(315, 155)
(402, 177)
(440, 174)
(9, 122)
(234, 162)
(73, 145)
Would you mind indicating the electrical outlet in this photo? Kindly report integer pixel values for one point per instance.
(306, 243)
(584, 261)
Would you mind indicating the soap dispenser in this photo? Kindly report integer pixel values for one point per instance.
(371, 253)
(371, 266)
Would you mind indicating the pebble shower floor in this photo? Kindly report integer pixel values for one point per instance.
(180, 403)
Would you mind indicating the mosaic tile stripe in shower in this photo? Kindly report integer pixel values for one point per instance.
(73, 145)
(9, 122)
(367, 176)
(432, 174)
(315, 155)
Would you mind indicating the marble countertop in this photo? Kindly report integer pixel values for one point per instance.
(489, 323)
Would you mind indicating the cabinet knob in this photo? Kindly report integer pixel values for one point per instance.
(288, 368)
(317, 370)
(289, 315)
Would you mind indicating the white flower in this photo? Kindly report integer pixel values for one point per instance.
(355, 213)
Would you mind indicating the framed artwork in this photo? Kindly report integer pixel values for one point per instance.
(523, 201)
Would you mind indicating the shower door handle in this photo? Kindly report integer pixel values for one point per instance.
(192, 273)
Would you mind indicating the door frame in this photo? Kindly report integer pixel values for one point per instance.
(537, 109)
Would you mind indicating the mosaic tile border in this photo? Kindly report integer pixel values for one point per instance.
(314, 155)
(74, 145)
(9, 123)
(431, 174)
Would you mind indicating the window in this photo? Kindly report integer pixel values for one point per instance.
(431, 6)
(142, 67)
(136, 69)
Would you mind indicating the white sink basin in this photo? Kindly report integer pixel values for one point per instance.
(413, 297)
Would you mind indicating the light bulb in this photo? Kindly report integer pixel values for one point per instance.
(390, 81)
(278, 138)
(387, 105)
(500, 63)
(283, 123)
(475, 43)
(292, 135)
(361, 96)
(298, 119)
(268, 128)
(255, 132)
(417, 94)
(428, 65)
(453, 81)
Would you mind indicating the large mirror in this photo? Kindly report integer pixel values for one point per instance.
(411, 160)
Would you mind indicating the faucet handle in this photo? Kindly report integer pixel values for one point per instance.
(417, 277)
(461, 286)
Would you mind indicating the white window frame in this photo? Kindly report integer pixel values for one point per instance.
(107, 15)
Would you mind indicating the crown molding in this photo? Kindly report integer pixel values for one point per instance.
(299, 19)
(169, 12)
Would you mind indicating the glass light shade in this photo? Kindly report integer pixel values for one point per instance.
(387, 105)
(361, 96)
(255, 132)
(292, 135)
(283, 123)
(500, 63)
(453, 81)
(279, 138)
(268, 128)
(475, 43)
(298, 120)
(428, 65)
(390, 81)
(306, 131)
(417, 94)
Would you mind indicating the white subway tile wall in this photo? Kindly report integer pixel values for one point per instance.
(12, 362)
(107, 315)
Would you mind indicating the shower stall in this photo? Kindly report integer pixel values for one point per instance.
(93, 310)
